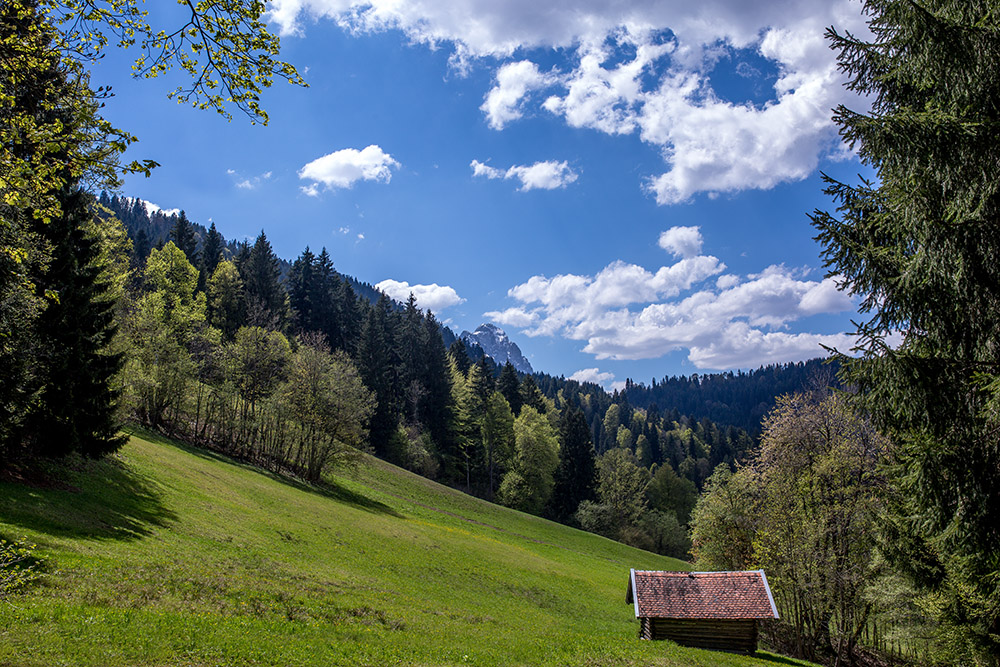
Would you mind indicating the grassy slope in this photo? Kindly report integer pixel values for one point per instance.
(171, 556)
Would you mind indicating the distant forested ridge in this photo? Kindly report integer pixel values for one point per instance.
(737, 398)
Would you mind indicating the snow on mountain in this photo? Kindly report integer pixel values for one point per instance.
(498, 346)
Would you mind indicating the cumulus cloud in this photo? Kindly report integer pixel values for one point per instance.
(643, 67)
(152, 208)
(515, 317)
(594, 375)
(548, 175)
(513, 82)
(682, 241)
(429, 297)
(344, 168)
(626, 311)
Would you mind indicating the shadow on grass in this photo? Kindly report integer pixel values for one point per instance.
(327, 489)
(779, 659)
(82, 498)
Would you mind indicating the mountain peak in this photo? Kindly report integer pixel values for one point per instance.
(498, 346)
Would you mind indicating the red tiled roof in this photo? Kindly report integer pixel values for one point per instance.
(732, 595)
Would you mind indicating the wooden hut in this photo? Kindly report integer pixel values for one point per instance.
(713, 610)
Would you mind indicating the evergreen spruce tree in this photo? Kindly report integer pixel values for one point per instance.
(322, 294)
(436, 407)
(183, 236)
(532, 395)
(348, 316)
(56, 314)
(140, 247)
(76, 410)
(411, 349)
(302, 292)
(459, 354)
(241, 257)
(484, 382)
(576, 474)
(211, 252)
(510, 387)
(920, 245)
(378, 361)
(261, 273)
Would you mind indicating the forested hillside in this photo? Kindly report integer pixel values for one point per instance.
(736, 398)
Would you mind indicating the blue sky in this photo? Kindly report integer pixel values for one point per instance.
(623, 187)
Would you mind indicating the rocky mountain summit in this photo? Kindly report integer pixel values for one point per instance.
(498, 346)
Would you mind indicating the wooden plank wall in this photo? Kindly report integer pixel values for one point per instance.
(735, 636)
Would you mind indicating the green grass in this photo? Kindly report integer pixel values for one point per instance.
(167, 555)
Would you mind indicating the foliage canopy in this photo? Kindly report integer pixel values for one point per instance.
(921, 246)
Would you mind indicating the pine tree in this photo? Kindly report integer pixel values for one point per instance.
(410, 341)
(436, 408)
(322, 294)
(920, 245)
(532, 395)
(56, 313)
(576, 474)
(265, 296)
(211, 252)
(348, 316)
(77, 403)
(510, 387)
(459, 354)
(140, 248)
(302, 292)
(484, 383)
(378, 361)
(183, 236)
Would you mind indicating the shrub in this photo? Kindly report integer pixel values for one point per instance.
(18, 566)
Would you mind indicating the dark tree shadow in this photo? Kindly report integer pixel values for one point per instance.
(84, 498)
(326, 488)
(778, 659)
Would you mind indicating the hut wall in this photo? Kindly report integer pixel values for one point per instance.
(735, 636)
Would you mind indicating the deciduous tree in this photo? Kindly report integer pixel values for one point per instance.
(528, 484)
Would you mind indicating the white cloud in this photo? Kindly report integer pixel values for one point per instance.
(481, 169)
(248, 182)
(604, 99)
(152, 208)
(626, 311)
(513, 82)
(490, 28)
(515, 317)
(740, 342)
(624, 76)
(682, 241)
(594, 375)
(548, 175)
(429, 297)
(344, 168)
(727, 281)
(543, 175)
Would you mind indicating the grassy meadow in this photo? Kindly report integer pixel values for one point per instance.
(168, 555)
